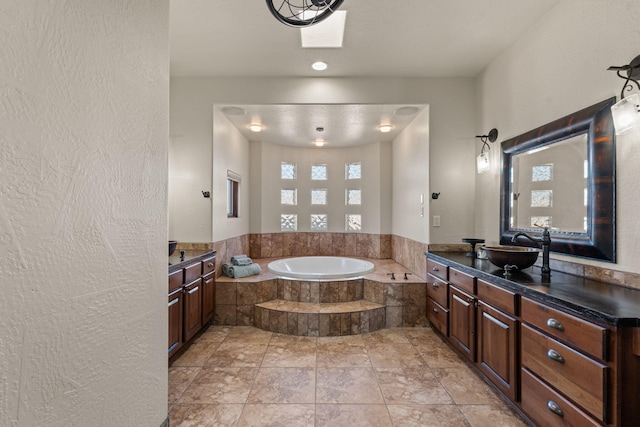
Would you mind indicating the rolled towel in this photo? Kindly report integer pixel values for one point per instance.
(225, 269)
(237, 271)
(237, 257)
(243, 261)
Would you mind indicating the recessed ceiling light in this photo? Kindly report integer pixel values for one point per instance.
(233, 111)
(255, 127)
(385, 128)
(406, 111)
(319, 142)
(319, 66)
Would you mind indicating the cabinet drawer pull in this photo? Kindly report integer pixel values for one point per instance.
(435, 269)
(435, 310)
(194, 290)
(172, 302)
(210, 264)
(554, 355)
(553, 323)
(435, 284)
(555, 408)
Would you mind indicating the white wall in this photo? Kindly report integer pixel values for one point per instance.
(410, 186)
(376, 197)
(451, 133)
(230, 152)
(560, 66)
(83, 157)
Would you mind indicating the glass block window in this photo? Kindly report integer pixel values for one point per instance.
(318, 222)
(542, 173)
(586, 197)
(289, 196)
(541, 198)
(586, 169)
(318, 172)
(319, 196)
(353, 171)
(540, 221)
(354, 222)
(288, 170)
(288, 222)
(354, 197)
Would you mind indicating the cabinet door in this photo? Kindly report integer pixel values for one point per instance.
(208, 297)
(497, 340)
(175, 321)
(462, 321)
(192, 308)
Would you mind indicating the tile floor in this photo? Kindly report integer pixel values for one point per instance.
(243, 376)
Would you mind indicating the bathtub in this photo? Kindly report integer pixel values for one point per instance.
(320, 268)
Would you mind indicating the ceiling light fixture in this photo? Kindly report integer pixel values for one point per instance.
(319, 142)
(626, 112)
(385, 128)
(319, 65)
(328, 34)
(406, 111)
(255, 127)
(302, 13)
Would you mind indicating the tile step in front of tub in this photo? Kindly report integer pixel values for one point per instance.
(320, 319)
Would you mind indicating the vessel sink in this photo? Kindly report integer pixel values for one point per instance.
(521, 257)
(172, 246)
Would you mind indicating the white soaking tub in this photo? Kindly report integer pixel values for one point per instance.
(320, 268)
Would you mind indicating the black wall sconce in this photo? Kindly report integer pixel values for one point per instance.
(626, 112)
(206, 194)
(482, 161)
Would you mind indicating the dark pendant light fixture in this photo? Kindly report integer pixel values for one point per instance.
(302, 13)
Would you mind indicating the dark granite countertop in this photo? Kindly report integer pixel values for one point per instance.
(176, 263)
(608, 303)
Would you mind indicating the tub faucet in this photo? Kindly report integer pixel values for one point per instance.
(393, 276)
(545, 240)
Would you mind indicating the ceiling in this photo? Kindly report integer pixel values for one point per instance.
(383, 38)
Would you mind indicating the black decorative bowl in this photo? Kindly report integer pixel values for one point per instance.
(520, 256)
(172, 246)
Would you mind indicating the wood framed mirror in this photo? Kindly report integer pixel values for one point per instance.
(562, 175)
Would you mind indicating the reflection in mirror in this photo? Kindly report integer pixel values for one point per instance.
(549, 187)
(562, 176)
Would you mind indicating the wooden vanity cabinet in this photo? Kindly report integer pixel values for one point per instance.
(438, 297)
(191, 301)
(462, 313)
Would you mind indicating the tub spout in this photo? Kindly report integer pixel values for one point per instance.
(405, 276)
(393, 276)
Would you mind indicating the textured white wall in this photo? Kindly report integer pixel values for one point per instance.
(376, 197)
(451, 133)
(83, 160)
(560, 66)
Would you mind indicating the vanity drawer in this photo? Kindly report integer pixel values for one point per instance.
(462, 280)
(437, 290)
(586, 336)
(580, 378)
(498, 297)
(548, 408)
(437, 269)
(208, 265)
(175, 280)
(192, 272)
(438, 316)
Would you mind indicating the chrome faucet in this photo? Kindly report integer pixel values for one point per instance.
(545, 240)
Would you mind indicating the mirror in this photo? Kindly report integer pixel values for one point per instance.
(562, 176)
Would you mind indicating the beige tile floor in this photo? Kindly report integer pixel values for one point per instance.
(243, 376)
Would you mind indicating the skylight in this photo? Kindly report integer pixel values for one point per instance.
(328, 33)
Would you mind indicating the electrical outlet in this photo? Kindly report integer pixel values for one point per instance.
(436, 220)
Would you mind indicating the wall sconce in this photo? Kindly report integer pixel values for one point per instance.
(482, 161)
(626, 112)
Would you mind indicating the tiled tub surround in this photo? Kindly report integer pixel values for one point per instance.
(323, 308)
